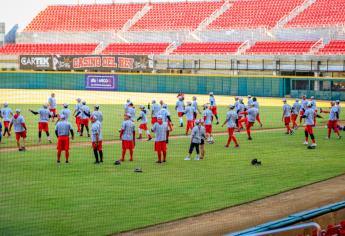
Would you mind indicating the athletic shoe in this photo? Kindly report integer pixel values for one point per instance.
(197, 158)
(149, 139)
(226, 146)
(237, 146)
(96, 162)
(66, 162)
(130, 159)
(260, 125)
(250, 138)
(327, 138)
(292, 132)
(57, 161)
(187, 158)
(159, 162)
(164, 160)
(88, 135)
(313, 145)
(339, 137)
(305, 143)
(217, 123)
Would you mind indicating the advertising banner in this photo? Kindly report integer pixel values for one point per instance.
(35, 62)
(85, 62)
(101, 82)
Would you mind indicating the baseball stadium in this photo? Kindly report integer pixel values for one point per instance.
(172, 117)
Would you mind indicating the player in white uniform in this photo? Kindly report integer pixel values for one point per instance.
(98, 114)
(295, 110)
(196, 107)
(309, 115)
(304, 103)
(127, 135)
(251, 113)
(96, 139)
(231, 118)
(239, 109)
(143, 125)
(333, 120)
(257, 106)
(85, 116)
(189, 112)
(208, 123)
(65, 111)
(131, 111)
(128, 101)
(62, 130)
(180, 108)
(250, 100)
(44, 115)
(77, 114)
(52, 105)
(6, 114)
(20, 129)
(213, 106)
(161, 130)
(286, 117)
(155, 108)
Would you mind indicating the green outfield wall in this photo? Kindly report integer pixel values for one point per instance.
(166, 83)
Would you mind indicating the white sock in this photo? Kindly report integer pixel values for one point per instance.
(140, 132)
(181, 120)
(147, 132)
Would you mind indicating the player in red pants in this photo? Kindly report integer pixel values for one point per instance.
(161, 130)
(20, 129)
(62, 130)
(231, 118)
(77, 114)
(309, 115)
(256, 105)
(189, 112)
(251, 116)
(304, 107)
(295, 110)
(240, 107)
(143, 125)
(127, 135)
(286, 117)
(333, 120)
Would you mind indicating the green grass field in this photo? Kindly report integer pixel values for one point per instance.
(40, 197)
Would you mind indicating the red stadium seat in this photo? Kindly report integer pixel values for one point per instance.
(40, 49)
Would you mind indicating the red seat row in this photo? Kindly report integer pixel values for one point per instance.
(136, 48)
(281, 47)
(208, 48)
(40, 49)
(334, 47)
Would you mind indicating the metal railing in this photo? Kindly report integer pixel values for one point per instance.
(294, 227)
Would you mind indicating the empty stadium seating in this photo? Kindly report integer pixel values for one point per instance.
(135, 48)
(175, 16)
(321, 13)
(281, 47)
(208, 48)
(40, 49)
(254, 14)
(75, 18)
(334, 47)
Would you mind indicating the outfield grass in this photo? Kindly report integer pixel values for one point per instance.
(40, 197)
(113, 117)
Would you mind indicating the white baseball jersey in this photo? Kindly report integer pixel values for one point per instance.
(52, 102)
(189, 112)
(18, 124)
(63, 128)
(96, 128)
(6, 113)
(98, 115)
(180, 106)
(231, 117)
(128, 128)
(143, 117)
(44, 115)
(160, 131)
(155, 109)
(207, 116)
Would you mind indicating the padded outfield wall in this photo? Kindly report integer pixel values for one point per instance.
(169, 83)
